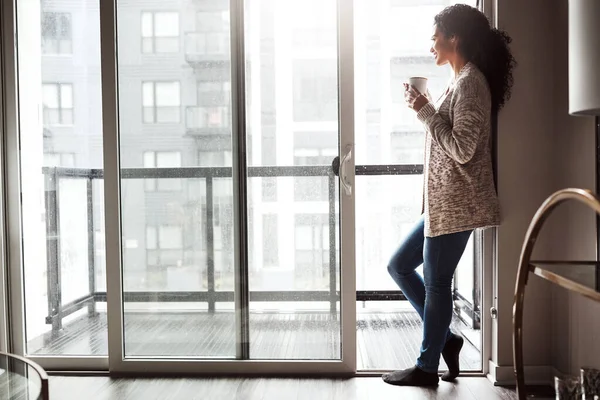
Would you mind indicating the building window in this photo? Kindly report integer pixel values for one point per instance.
(162, 159)
(57, 33)
(312, 188)
(270, 241)
(160, 32)
(161, 101)
(59, 160)
(57, 101)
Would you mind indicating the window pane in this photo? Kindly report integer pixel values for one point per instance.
(148, 114)
(67, 116)
(63, 238)
(151, 238)
(66, 96)
(168, 159)
(166, 45)
(147, 25)
(49, 25)
(50, 95)
(149, 159)
(148, 94)
(167, 94)
(65, 26)
(51, 117)
(147, 45)
(167, 114)
(56, 33)
(167, 24)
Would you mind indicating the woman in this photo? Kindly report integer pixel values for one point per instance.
(459, 192)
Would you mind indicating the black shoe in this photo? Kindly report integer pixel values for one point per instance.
(411, 377)
(451, 354)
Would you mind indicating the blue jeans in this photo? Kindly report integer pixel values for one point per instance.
(432, 297)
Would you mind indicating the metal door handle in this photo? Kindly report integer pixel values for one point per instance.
(344, 181)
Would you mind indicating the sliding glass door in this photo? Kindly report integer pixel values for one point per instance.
(224, 242)
(181, 183)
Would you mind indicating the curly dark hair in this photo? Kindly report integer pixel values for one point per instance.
(482, 45)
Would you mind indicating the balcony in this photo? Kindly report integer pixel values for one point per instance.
(208, 121)
(207, 48)
(71, 331)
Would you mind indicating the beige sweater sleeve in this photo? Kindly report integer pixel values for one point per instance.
(459, 140)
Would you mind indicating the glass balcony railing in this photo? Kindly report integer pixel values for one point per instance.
(78, 249)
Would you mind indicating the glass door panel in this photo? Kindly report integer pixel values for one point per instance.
(174, 74)
(60, 163)
(390, 141)
(229, 203)
(293, 200)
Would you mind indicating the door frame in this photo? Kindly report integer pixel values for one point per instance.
(117, 361)
(12, 184)
(4, 292)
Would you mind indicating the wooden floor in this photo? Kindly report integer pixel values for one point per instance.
(103, 388)
(385, 340)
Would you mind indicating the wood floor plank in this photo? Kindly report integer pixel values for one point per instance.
(104, 388)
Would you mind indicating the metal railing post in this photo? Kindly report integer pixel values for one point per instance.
(53, 251)
(91, 246)
(210, 244)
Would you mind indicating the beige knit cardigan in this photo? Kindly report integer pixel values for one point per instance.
(459, 192)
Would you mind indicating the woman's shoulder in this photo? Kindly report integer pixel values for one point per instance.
(472, 81)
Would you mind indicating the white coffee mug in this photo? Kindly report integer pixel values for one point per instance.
(419, 83)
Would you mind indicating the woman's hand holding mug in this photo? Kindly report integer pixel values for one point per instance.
(415, 93)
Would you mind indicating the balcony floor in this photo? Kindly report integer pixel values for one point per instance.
(386, 340)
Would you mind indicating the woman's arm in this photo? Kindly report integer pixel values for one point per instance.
(459, 141)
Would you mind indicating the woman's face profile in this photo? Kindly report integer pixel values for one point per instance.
(442, 48)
